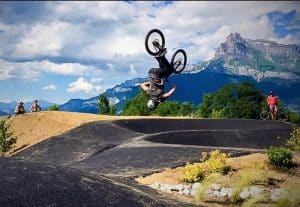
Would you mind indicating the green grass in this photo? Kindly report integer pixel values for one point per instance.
(205, 185)
(247, 177)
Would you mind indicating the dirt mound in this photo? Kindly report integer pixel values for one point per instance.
(32, 128)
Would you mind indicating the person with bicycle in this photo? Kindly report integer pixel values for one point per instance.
(272, 101)
(157, 78)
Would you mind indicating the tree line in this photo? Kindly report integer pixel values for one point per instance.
(234, 100)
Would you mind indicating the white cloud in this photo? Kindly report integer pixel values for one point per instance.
(81, 85)
(32, 69)
(132, 71)
(49, 87)
(115, 31)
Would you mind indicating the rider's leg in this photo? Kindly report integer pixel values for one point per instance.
(275, 112)
(271, 108)
(165, 66)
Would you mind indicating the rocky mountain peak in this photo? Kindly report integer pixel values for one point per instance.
(234, 38)
(234, 46)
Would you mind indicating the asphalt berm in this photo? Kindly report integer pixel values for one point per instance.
(96, 163)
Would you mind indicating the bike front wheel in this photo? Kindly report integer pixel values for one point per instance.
(264, 115)
(154, 35)
(178, 61)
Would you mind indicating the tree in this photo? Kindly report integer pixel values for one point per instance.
(137, 106)
(113, 110)
(53, 107)
(6, 138)
(232, 101)
(186, 109)
(168, 108)
(104, 107)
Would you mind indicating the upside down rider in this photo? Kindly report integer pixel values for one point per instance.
(157, 79)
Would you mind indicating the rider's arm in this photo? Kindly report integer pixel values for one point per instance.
(145, 86)
(170, 93)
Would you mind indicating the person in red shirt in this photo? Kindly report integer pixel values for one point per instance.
(272, 101)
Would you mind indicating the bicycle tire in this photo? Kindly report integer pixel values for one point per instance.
(178, 68)
(282, 117)
(153, 51)
(264, 115)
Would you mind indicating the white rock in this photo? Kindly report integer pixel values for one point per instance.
(254, 190)
(225, 192)
(195, 186)
(216, 186)
(216, 193)
(186, 191)
(156, 185)
(193, 192)
(178, 187)
(245, 193)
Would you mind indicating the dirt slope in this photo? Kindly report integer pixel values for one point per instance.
(32, 128)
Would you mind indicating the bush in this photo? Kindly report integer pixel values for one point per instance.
(53, 107)
(294, 142)
(294, 117)
(217, 162)
(6, 138)
(280, 156)
(192, 173)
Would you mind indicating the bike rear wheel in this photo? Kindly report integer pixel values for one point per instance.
(264, 115)
(178, 61)
(154, 34)
(282, 117)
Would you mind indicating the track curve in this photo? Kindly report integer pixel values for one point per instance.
(111, 154)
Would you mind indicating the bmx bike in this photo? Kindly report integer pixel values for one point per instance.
(280, 116)
(155, 43)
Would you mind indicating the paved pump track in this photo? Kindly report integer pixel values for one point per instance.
(96, 163)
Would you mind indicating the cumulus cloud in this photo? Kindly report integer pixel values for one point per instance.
(32, 69)
(132, 71)
(49, 87)
(81, 85)
(112, 30)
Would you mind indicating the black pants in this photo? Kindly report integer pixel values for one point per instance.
(165, 69)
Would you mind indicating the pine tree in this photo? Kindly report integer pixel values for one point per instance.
(6, 138)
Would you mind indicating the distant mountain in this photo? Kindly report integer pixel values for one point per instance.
(259, 59)
(9, 107)
(267, 64)
(3, 113)
(118, 95)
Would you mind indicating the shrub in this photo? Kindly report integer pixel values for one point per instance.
(294, 142)
(192, 173)
(217, 162)
(53, 107)
(294, 117)
(280, 156)
(6, 138)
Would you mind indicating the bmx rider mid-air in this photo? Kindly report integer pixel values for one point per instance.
(158, 76)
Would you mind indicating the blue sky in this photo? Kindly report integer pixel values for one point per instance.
(61, 50)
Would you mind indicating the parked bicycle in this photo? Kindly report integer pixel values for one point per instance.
(266, 115)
